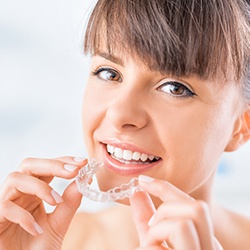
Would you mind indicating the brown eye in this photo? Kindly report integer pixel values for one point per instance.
(176, 89)
(108, 74)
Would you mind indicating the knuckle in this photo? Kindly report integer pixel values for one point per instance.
(186, 225)
(9, 184)
(55, 166)
(25, 162)
(4, 206)
(57, 163)
(201, 208)
(13, 175)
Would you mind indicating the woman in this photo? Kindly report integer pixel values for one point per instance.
(168, 93)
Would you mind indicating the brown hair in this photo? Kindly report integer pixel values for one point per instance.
(208, 38)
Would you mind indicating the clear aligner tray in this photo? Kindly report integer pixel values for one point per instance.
(85, 175)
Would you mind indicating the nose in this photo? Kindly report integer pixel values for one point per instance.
(128, 110)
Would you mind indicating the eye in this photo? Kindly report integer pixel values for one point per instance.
(176, 89)
(107, 74)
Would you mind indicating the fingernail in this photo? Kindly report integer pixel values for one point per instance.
(145, 178)
(56, 196)
(38, 228)
(150, 222)
(70, 168)
(79, 159)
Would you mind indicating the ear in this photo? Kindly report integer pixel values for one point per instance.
(241, 133)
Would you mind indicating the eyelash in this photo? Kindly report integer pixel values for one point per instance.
(188, 92)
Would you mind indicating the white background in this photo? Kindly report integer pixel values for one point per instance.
(42, 76)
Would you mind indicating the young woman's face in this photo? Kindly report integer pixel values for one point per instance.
(142, 122)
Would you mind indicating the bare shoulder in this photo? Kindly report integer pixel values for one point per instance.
(232, 229)
(80, 230)
(94, 231)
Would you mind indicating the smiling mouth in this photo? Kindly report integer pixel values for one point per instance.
(127, 156)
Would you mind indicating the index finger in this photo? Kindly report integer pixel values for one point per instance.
(162, 189)
(142, 210)
(65, 167)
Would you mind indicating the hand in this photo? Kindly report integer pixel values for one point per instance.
(179, 223)
(22, 213)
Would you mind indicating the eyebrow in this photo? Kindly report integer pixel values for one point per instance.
(112, 58)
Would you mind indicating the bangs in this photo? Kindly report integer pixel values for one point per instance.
(181, 38)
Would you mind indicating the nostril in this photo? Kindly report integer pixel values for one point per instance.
(129, 126)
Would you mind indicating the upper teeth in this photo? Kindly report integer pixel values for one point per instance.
(129, 155)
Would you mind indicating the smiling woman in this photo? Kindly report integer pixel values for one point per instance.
(167, 94)
(152, 123)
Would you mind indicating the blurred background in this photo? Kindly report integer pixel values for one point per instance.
(42, 76)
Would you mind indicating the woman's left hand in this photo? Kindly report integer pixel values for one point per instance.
(179, 223)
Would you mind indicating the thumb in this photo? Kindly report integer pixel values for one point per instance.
(61, 217)
(142, 210)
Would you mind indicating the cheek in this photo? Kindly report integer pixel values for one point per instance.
(91, 116)
(194, 143)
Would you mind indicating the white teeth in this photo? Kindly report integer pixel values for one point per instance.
(136, 156)
(118, 153)
(128, 155)
(151, 157)
(112, 149)
(144, 157)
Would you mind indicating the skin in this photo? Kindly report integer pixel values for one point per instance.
(178, 194)
(160, 123)
(213, 112)
(22, 214)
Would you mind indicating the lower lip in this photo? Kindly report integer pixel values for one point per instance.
(126, 169)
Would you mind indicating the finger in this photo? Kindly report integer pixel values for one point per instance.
(162, 189)
(66, 168)
(11, 212)
(178, 233)
(18, 183)
(71, 159)
(70, 165)
(61, 217)
(197, 211)
(142, 210)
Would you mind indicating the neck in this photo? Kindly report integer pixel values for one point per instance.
(204, 192)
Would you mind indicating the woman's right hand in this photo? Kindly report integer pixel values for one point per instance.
(24, 223)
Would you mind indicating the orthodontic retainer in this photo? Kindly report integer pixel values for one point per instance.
(86, 173)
